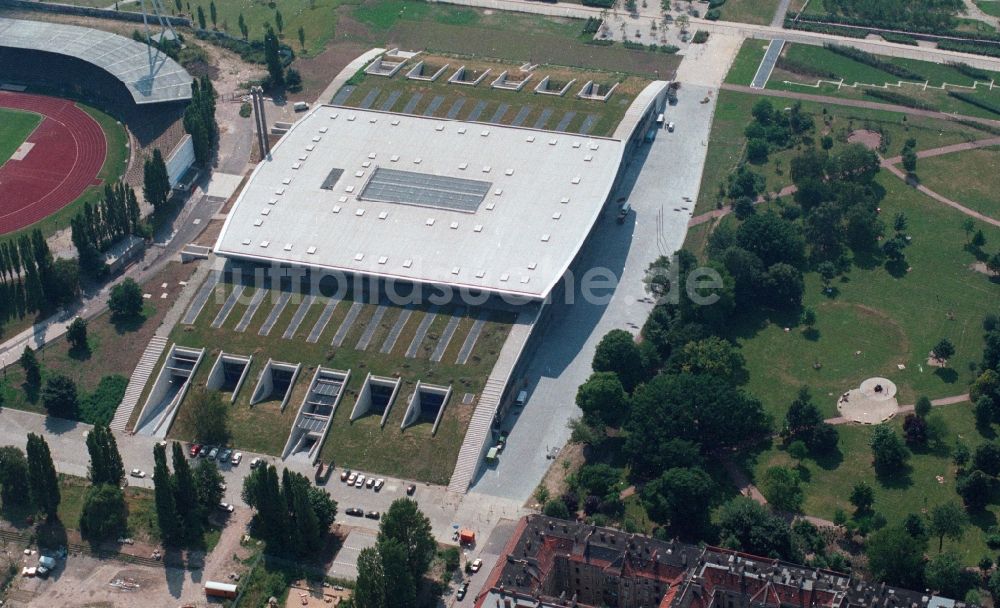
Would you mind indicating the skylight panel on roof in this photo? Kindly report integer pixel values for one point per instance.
(477, 228)
(588, 158)
(359, 173)
(288, 246)
(358, 257)
(351, 117)
(407, 263)
(324, 129)
(463, 166)
(373, 120)
(310, 148)
(490, 205)
(439, 128)
(382, 259)
(455, 269)
(265, 211)
(371, 155)
(485, 133)
(509, 172)
(553, 141)
(317, 138)
(487, 169)
(525, 279)
(576, 144)
(461, 130)
(575, 180)
(264, 244)
(395, 123)
(342, 199)
(336, 208)
(311, 250)
(429, 222)
(416, 161)
(556, 215)
(286, 181)
(366, 164)
(480, 274)
(505, 276)
(532, 266)
(530, 139)
(546, 237)
(564, 200)
(258, 222)
(351, 188)
(383, 214)
(359, 212)
(272, 201)
(498, 192)
(394, 157)
(453, 225)
(279, 191)
(246, 241)
(334, 115)
(296, 165)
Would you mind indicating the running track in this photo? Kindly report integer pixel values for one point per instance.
(68, 153)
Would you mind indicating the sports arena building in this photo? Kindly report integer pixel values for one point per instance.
(481, 211)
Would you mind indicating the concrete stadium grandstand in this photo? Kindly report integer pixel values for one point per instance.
(444, 208)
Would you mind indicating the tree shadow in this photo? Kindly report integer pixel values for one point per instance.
(31, 391)
(127, 324)
(831, 292)
(52, 534)
(811, 333)
(946, 374)
(983, 519)
(986, 430)
(829, 460)
(899, 479)
(805, 475)
(897, 268)
(78, 353)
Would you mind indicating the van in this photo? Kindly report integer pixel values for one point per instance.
(522, 398)
(623, 212)
(300, 106)
(660, 120)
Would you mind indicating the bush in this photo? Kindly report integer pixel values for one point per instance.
(971, 72)
(826, 28)
(591, 25)
(599, 3)
(978, 101)
(700, 37)
(293, 81)
(898, 38)
(556, 508)
(976, 48)
(898, 98)
(797, 67)
(104, 513)
(126, 299)
(713, 14)
(245, 109)
(99, 406)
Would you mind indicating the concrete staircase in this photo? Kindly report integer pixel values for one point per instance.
(138, 381)
(476, 436)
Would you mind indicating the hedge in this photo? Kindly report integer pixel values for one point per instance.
(873, 61)
(898, 38)
(978, 101)
(824, 28)
(798, 67)
(971, 72)
(898, 99)
(990, 50)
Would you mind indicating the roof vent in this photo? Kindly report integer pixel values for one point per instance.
(324, 129)
(461, 130)
(564, 200)
(317, 138)
(383, 214)
(487, 169)
(454, 226)
(264, 244)
(265, 211)
(382, 259)
(505, 276)
(351, 117)
(358, 257)
(246, 241)
(532, 266)
(351, 188)
(556, 215)
(509, 172)
(480, 274)
(463, 166)
(288, 246)
(296, 165)
(366, 164)
(342, 199)
(359, 212)
(575, 180)
(310, 148)
(490, 205)
(258, 222)
(407, 263)
(359, 174)
(439, 128)
(311, 250)
(395, 123)
(394, 157)
(286, 181)
(416, 161)
(530, 139)
(477, 228)
(545, 238)
(455, 269)
(371, 155)
(429, 222)
(336, 208)
(576, 144)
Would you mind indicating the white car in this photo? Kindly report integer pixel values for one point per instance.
(359, 482)
(379, 483)
(225, 506)
(237, 458)
(137, 473)
(476, 565)
(256, 462)
(670, 127)
(352, 478)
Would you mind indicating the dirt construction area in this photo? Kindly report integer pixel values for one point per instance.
(89, 582)
(314, 596)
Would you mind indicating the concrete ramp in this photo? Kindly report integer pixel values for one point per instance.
(426, 405)
(376, 397)
(168, 392)
(312, 423)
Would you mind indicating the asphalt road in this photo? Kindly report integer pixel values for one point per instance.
(659, 179)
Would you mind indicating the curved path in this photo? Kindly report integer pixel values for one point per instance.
(68, 152)
(906, 409)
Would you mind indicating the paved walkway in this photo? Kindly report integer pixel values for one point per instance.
(349, 70)
(969, 145)
(906, 409)
(779, 15)
(974, 12)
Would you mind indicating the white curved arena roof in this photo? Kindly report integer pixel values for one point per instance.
(150, 76)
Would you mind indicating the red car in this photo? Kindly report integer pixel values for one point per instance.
(195, 448)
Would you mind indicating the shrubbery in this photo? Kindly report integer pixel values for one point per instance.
(874, 61)
(898, 98)
(977, 48)
(977, 100)
(805, 69)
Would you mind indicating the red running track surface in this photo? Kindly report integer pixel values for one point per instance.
(68, 153)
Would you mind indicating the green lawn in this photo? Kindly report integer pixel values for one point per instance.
(608, 114)
(966, 177)
(828, 482)
(142, 524)
(890, 320)
(412, 453)
(759, 12)
(732, 115)
(852, 72)
(747, 61)
(15, 127)
(990, 7)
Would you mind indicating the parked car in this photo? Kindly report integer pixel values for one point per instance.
(237, 458)
(345, 474)
(379, 483)
(670, 127)
(225, 455)
(255, 462)
(213, 453)
(370, 483)
(225, 506)
(360, 481)
(355, 512)
(477, 564)
(137, 473)
(373, 515)
(462, 591)
(411, 489)
(222, 486)
(352, 478)
(195, 449)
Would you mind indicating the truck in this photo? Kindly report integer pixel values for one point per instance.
(46, 565)
(323, 472)
(222, 590)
